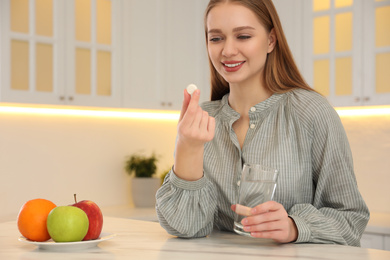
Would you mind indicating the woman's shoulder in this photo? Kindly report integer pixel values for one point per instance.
(310, 103)
(312, 109)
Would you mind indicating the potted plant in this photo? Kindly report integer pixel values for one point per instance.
(143, 185)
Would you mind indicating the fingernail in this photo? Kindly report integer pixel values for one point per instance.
(244, 221)
(253, 211)
(247, 228)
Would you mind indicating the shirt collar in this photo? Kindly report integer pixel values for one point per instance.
(230, 113)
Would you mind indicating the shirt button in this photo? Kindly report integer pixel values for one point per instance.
(253, 109)
(252, 126)
(238, 183)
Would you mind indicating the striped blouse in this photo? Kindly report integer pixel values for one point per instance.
(299, 134)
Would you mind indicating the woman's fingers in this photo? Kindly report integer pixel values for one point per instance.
(194, 102)
(270, 220)
(266, 207)
(192, 109)
(241, 210)
(211, 128)
(195, 125)
(204, 121)
(281, 231)
(264, 226)
(186, 102)
(266, 212)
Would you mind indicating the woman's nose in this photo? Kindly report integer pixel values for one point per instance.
(229, 48)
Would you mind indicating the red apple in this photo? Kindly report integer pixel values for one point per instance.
(94, 215)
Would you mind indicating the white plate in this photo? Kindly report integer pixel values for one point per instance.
(68, 246)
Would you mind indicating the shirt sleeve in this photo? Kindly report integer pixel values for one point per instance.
(186, 208)
(338, 213)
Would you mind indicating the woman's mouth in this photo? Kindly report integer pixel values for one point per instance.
(232, 66)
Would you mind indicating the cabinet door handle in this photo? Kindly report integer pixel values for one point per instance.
(366, 99)
(70, 98)
(62, 98)
(357, 99)
(163, 104)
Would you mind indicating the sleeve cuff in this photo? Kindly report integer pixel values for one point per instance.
(187, 185)
(304, 232)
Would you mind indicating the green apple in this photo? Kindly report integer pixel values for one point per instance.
(67, 224)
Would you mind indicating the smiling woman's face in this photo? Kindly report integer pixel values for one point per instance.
(238, 43)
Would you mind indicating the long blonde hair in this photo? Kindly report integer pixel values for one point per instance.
(281, 74)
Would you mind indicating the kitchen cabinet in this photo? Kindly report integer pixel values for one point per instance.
(373, 241)
(164, 51)
(155, 49)
(377, 233)
(347, 51)
(387, 243)
(158, 47)
(61, 52)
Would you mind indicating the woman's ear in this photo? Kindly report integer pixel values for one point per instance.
(272, 39)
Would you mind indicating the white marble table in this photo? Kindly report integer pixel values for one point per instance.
(145, 240)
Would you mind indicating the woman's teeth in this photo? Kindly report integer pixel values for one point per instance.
(233, 65)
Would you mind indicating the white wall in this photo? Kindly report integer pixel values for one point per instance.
(369, 139)
(55, 156)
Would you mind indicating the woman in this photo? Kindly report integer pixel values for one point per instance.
(262, 112)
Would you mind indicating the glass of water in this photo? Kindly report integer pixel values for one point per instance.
(257, 185)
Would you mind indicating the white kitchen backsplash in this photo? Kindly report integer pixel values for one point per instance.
(55, 156)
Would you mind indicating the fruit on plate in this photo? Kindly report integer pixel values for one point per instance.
(32, 219)
(67, 224)
(95, 217)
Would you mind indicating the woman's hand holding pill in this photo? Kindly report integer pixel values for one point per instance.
(195, 128)
(191, 88)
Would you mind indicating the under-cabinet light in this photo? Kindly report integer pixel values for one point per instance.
(151, 114)
(116, 113)
(364, 111)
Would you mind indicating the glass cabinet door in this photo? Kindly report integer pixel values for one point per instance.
(348, 51)
(377, 56)
(61, 52)
(93, 53)
(31, 52)
(335, 63)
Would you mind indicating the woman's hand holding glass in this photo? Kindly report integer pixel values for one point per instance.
(269, 220)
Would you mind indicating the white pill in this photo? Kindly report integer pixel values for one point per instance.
(191, 88)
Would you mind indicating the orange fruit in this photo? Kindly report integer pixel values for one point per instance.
(32, 219)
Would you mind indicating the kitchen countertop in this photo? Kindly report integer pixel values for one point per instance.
(147, 240)
(379, 222)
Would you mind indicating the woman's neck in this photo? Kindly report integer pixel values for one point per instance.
(244, 96)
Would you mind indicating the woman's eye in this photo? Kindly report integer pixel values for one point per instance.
(244, 37)
(215, 39)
